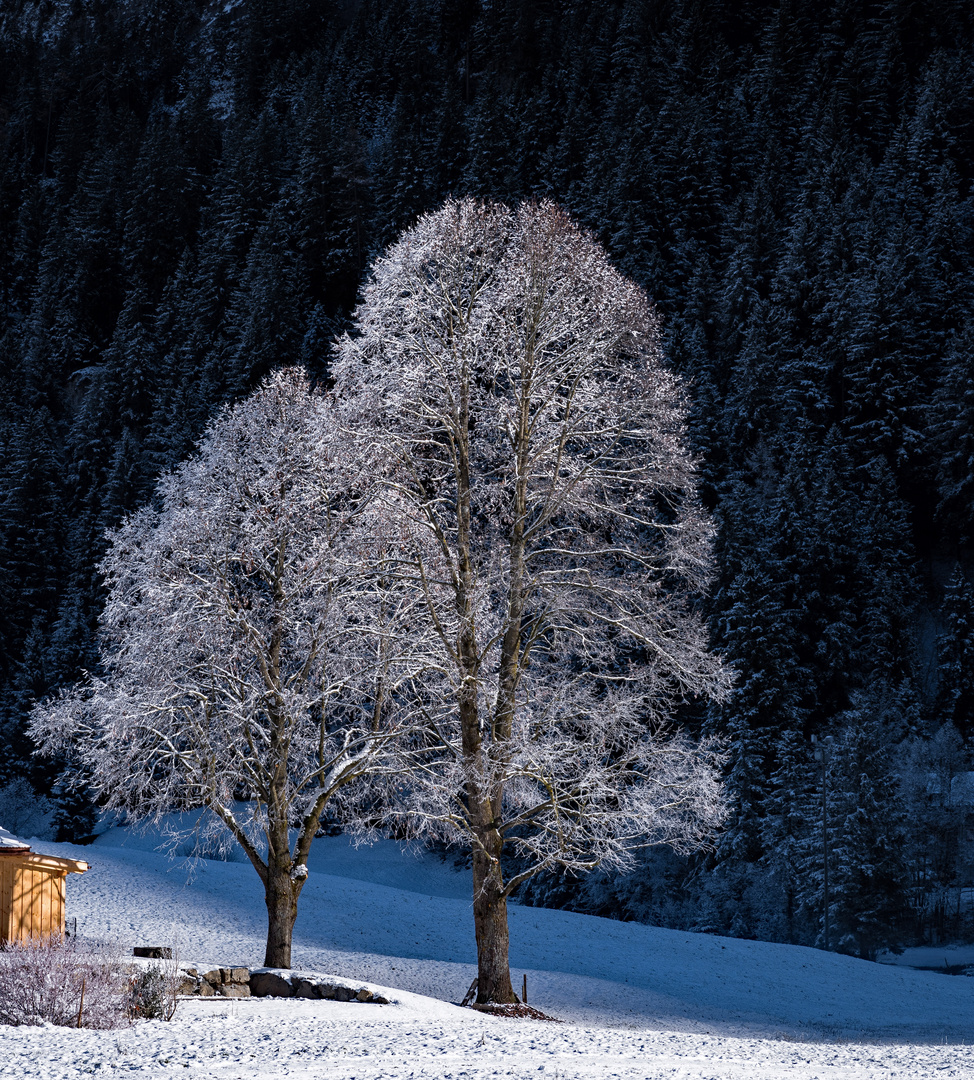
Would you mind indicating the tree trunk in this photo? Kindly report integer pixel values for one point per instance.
(281, 897)
(490, 926)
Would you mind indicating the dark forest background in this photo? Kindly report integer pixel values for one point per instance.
(191, 193)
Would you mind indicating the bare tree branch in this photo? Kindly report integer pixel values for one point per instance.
(242, 645)
(531, 447)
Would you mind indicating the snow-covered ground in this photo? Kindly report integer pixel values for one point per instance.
(933, 957)
(639, 1002)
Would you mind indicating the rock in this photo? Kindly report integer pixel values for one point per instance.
(241, 982)
(270, 984)
(304, 988)
(333, 992)
(153, 952)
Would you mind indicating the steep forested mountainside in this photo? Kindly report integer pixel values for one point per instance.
(192, 191)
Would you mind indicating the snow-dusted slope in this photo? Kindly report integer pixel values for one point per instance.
(642, 1002)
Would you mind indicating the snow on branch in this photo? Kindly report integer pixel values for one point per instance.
(533, 466)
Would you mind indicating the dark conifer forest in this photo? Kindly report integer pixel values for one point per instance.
(191, 193)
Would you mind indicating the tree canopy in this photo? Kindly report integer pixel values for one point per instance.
(241, 657)
(536, 472)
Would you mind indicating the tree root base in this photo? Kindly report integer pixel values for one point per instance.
(516, 1010)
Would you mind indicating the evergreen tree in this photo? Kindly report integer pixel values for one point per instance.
(190, 195)
(955, 698)
(934, 791)
(867, 888)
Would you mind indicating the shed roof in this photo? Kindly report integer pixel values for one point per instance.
(51, 862)
(9, 844)
(11, 847)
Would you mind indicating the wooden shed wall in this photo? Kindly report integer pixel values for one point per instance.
(31, 900)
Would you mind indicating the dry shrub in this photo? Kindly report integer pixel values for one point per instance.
(155, 991)
(41, 981)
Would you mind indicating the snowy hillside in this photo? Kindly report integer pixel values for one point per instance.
(640, 1001)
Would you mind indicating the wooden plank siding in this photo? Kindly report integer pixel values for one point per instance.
(32, 893)
(7, 874)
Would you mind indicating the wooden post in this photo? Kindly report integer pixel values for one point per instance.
(82, 1005)
(524, 989)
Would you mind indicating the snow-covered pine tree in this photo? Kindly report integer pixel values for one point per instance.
(862, 820)
(955, 695)
(934, 789)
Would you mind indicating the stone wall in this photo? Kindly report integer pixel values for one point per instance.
(241, 982)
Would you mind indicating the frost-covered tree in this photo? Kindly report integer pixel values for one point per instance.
(860, 825)
(956, 648)
(242, 655)
(533, 458)
(934, 792)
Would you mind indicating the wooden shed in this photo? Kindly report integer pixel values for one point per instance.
(32, 890)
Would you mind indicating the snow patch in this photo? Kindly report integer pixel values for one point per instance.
(641, 1002)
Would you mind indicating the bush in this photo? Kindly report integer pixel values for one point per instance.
(44, 980)
(154, 990)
